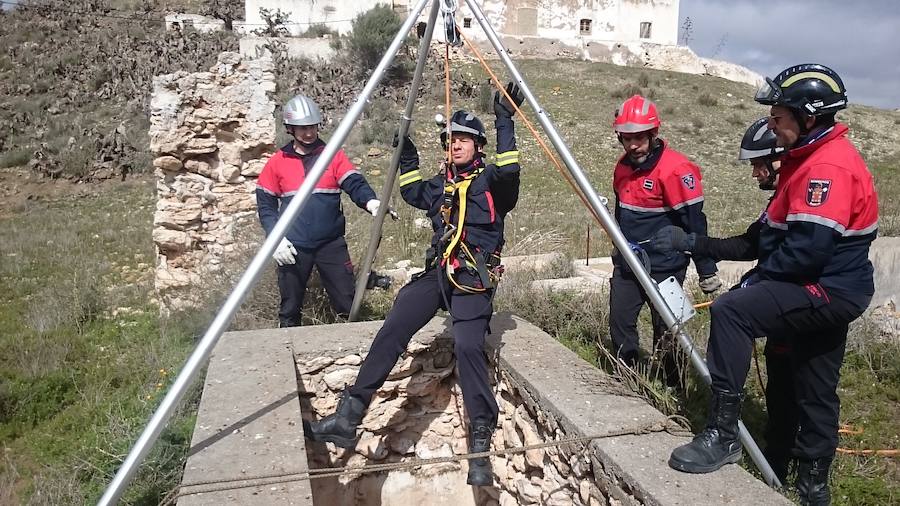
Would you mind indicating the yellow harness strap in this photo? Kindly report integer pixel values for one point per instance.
(460, 188)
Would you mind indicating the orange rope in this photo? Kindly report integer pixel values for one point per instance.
(703, 305)
(447, 96)
(528, 124)
(879, 453)
(849, 429)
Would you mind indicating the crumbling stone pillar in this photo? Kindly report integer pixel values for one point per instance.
(211, 133)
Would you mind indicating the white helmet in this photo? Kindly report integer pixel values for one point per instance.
(301, 111)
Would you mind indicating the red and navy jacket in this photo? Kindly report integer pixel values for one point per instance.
(490, 196)
(666, 189)
(322, 219)
(818, 227)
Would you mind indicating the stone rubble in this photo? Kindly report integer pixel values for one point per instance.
(419, 414)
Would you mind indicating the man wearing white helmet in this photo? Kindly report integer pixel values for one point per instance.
(316, 237)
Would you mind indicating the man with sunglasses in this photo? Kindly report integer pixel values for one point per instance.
(813, 278)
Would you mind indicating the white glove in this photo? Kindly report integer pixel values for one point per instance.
(284, 253)
(372, 206)
(710, 284)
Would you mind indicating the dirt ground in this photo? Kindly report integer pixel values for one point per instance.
(20, 188)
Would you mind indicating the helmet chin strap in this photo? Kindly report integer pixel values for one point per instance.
(800, 118)
(769, 182)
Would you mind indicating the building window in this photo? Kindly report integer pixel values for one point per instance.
(467, 22)
(645, 29)
(585, 26)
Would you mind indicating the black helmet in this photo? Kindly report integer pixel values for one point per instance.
(759, 141)
(811, 88)
(468, 123)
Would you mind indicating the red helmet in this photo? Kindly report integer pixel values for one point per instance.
(637, 114)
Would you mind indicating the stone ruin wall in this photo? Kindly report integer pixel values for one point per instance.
(418, 414)
(211, 134)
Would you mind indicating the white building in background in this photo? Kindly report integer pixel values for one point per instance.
(654, 21)
(335, 14)
(570, 21)
(180, 21)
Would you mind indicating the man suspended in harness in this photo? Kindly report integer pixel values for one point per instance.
(467, 203)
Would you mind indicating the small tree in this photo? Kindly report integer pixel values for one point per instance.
(226, 10)
(275, 21)
(372, 33)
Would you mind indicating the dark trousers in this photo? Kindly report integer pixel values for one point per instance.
(332, 259)
(782, 424)
(626, 298)
(415, 305)
(814, 325)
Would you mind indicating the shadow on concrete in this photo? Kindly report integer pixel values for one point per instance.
(226, 431)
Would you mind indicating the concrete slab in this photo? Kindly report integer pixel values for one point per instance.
(249, 419)
(579, 394)
(248, 424)
(884, 254)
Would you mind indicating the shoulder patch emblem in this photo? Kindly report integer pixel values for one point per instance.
(648, 184)
(688, 180)
(817, 192)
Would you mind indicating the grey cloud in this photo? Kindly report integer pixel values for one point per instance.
(858, 41)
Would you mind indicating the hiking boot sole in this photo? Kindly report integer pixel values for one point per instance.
(694, 468)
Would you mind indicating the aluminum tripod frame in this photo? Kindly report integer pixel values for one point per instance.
(598, 205)
(388, 188)
(201, 352)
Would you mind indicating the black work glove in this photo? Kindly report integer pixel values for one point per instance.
(671, 238)
(502, 107)
(409, 156)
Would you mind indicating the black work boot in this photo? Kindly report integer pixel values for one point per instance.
(480, 474)
(812, 481)
(718, 444)
(340, 427)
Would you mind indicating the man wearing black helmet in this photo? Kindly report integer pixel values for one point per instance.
(812, 279)
(467, 203)
(759, 147)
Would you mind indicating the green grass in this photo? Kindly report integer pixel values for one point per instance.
(84, 357)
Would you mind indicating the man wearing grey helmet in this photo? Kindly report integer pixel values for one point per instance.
(316, 237)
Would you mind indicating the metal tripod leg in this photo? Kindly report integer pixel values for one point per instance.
(201, 353)
(612, 229)
(388, 188)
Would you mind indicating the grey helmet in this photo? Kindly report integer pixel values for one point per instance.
(759, 141)
(301, 111)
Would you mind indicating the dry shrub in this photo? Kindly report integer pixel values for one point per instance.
(707, 100)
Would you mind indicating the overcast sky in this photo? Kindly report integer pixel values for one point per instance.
(859, 40)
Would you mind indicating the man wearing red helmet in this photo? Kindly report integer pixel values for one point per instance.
(655, 187)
